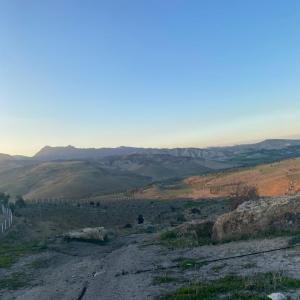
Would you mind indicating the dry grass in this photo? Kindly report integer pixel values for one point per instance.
(273, 179)
(255, 287)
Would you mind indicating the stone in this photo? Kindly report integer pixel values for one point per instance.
(277, 296)
(92, 234)
(259, 216)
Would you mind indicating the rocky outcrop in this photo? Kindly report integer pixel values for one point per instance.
(88, 234)
(259, 216)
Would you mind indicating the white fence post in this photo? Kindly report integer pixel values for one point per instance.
(8, 218)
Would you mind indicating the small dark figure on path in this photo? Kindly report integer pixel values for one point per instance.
(140, 219)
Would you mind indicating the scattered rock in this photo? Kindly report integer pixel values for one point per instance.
(277, 296)
(259, 216)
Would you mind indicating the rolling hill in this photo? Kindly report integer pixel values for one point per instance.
(273, 179)
(84, 178)
(71, 179)
(77, 173)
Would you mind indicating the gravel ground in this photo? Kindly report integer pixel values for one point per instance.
(124, 269)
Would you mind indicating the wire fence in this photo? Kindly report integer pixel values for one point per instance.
(7, 219)
(78, 202)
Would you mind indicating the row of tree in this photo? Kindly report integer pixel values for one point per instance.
(6, 200)
(242, 193)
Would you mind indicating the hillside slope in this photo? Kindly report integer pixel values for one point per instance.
(274, 179)
(84, 178)
(76, 173)
(162, 166)
(71, 179)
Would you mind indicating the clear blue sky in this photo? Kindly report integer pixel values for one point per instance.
(161, 73)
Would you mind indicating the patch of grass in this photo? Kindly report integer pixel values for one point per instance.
(13, 281)
(171, 240)
(247, 296)
(10, 252)
(276, 232)
(294, 240)
(269, 234)
(163, 279)
(168, 235)
(256, 287)
(188, 263)
(91, 241)
(219, 202)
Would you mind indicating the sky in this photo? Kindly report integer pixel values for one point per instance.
(150, 73)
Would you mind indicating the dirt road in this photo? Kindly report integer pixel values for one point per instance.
(125, 268)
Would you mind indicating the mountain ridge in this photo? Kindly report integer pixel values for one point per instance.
(74, 173)
(219, 153)
(71, 152)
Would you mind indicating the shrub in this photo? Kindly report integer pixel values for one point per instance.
(4, 198)
(20, 202)
(243, 193)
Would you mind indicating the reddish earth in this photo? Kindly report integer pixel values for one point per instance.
(276, 179)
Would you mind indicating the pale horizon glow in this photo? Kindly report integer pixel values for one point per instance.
(105, 74)
(32, 152)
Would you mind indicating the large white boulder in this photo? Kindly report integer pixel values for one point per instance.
(277, 296)
(94, 234)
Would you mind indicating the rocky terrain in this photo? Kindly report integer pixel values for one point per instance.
(144, 261)
(257, 217)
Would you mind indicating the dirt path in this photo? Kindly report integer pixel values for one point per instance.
(125, 268)
(85, 271)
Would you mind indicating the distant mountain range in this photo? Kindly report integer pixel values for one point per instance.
(213, 153)
(75, 173)
(49, 153)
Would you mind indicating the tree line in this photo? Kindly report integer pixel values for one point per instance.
(7, 201)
